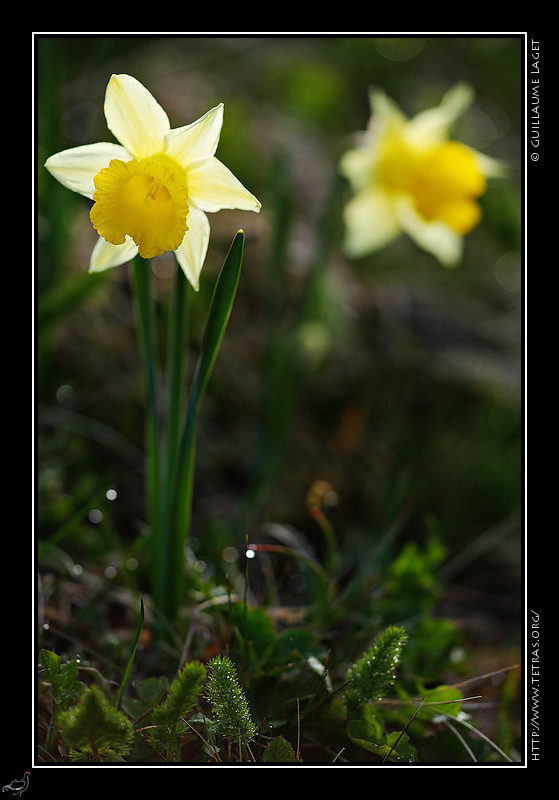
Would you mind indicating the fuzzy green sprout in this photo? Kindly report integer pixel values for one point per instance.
(228, 701)
(180, 699)
(373, 674)
(94, 730)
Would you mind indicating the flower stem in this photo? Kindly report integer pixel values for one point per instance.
(146, 331)
(177, 368)
(173, 555)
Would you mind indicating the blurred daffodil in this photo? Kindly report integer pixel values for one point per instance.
(151, 192)
(408, 177)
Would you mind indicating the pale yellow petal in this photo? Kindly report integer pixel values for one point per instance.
(492, 167)
(384, 111)
(434, 124)
(370, 223)
(357, 166)
(106, 255)
(196, 142)
(435, 237)
(192, 252)
(135, 117)
(212, 186)
(76, 167)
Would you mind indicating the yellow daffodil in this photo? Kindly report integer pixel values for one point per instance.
(407, 177)
(151, 192)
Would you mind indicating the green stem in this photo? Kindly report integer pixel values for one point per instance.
(169, 756)
(177, 368)
(172, 559)
(146, 330)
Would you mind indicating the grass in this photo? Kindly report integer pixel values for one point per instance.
(359, 439)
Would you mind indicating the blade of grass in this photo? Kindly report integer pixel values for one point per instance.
(127, 671)
(220, 310)
(461, 739)
(485, 738)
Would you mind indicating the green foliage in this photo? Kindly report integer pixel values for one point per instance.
(411, 583)
(279, 751)
(94, 730)
(371, 736)
(182, 694)
(181, 698)
(63, 678)
(65, 689)
(373, 674)
(228, 701)
(171, 452)
(253, 631)
(150, 691)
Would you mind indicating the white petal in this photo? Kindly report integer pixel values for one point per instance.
(211, 187)
(106, 255)
(135, 117)
(192, 252)
(434, 237)
(75, 168)
(370, 223)
(197, 141)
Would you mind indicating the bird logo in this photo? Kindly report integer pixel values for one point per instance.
(17, 787)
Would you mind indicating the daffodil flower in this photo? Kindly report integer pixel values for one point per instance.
(152, 191)
(408, 177)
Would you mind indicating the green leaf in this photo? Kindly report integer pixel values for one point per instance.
(220, 310)
(279, 751)
(368, 734)
(63, 678)
(442, 700)
(152, 689)
(51, 664)
(218, 317)
(396, 748)
(368, 728)
(150, 693)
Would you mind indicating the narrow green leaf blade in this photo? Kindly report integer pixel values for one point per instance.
(220, 310)
(127, 671)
